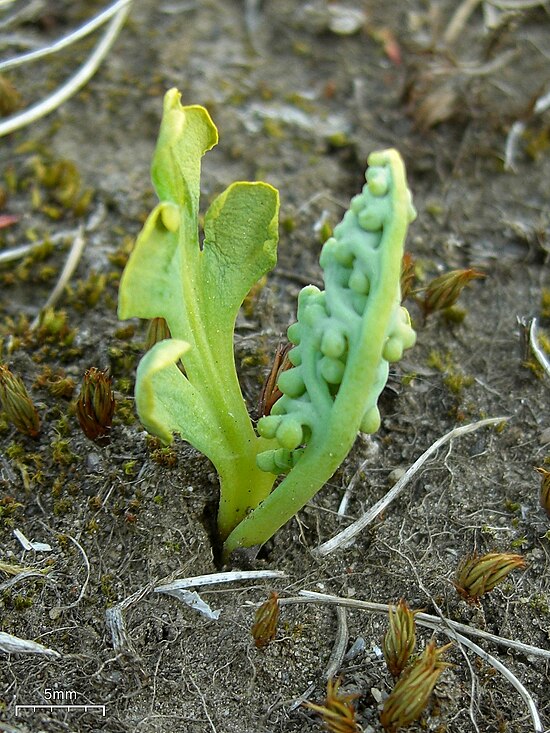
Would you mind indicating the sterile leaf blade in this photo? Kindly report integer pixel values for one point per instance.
(240, 246)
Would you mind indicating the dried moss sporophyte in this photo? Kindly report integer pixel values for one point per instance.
(343, 341)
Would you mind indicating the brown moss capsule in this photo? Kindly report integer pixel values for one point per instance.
(544, 489)
(412, 691)
(17, 404)
(157, 330)
(265, 621)
(400, 639)
(444, 291)
(480, 574)
(96, 405)
(270, 392)
(338, 712)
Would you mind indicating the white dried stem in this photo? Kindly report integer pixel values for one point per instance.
(342, 538)
(14, 645)
(75, 253)
(82, 76)
(424, 619)
(539, 354)
(216, 578)
(67, 40)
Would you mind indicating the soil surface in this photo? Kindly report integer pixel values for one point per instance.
(301, 93)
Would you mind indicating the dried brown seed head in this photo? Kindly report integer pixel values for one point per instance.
(408, 275)
(338, 712)
(270, 391)
(265, 621)
(480, 574)
(412, 691)
(444, 291)
(400, 639)
(157, 330)
(96, 405)
(17, 404)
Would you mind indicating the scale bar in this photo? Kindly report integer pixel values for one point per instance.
(68, 708)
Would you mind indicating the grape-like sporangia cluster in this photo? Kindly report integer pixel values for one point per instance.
(329, 335)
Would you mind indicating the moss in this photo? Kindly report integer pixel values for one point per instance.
(62, 506)
(125, 413)
(288, 224)
(251, 298)
(125, 385)
(87, 293)
(273, 129)
(53, 379)
(164, 456)
(61, 452)
(107, 587)
(539, 602)
(125, 333)
(454, 315)
(129, 468)
(455, 381)
(54, 328)
(8, 510)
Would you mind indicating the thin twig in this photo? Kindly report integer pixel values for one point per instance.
(424, 619)
(67, 40)
(9, 255)
(58, 609)
(82, 76)
(203, 701)
(342, 538)
(343, 507)
(505, 672)
(540, 356)
(516, 4)
(216, 578)
(459, 20)
(75, 253)
(340, 644)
